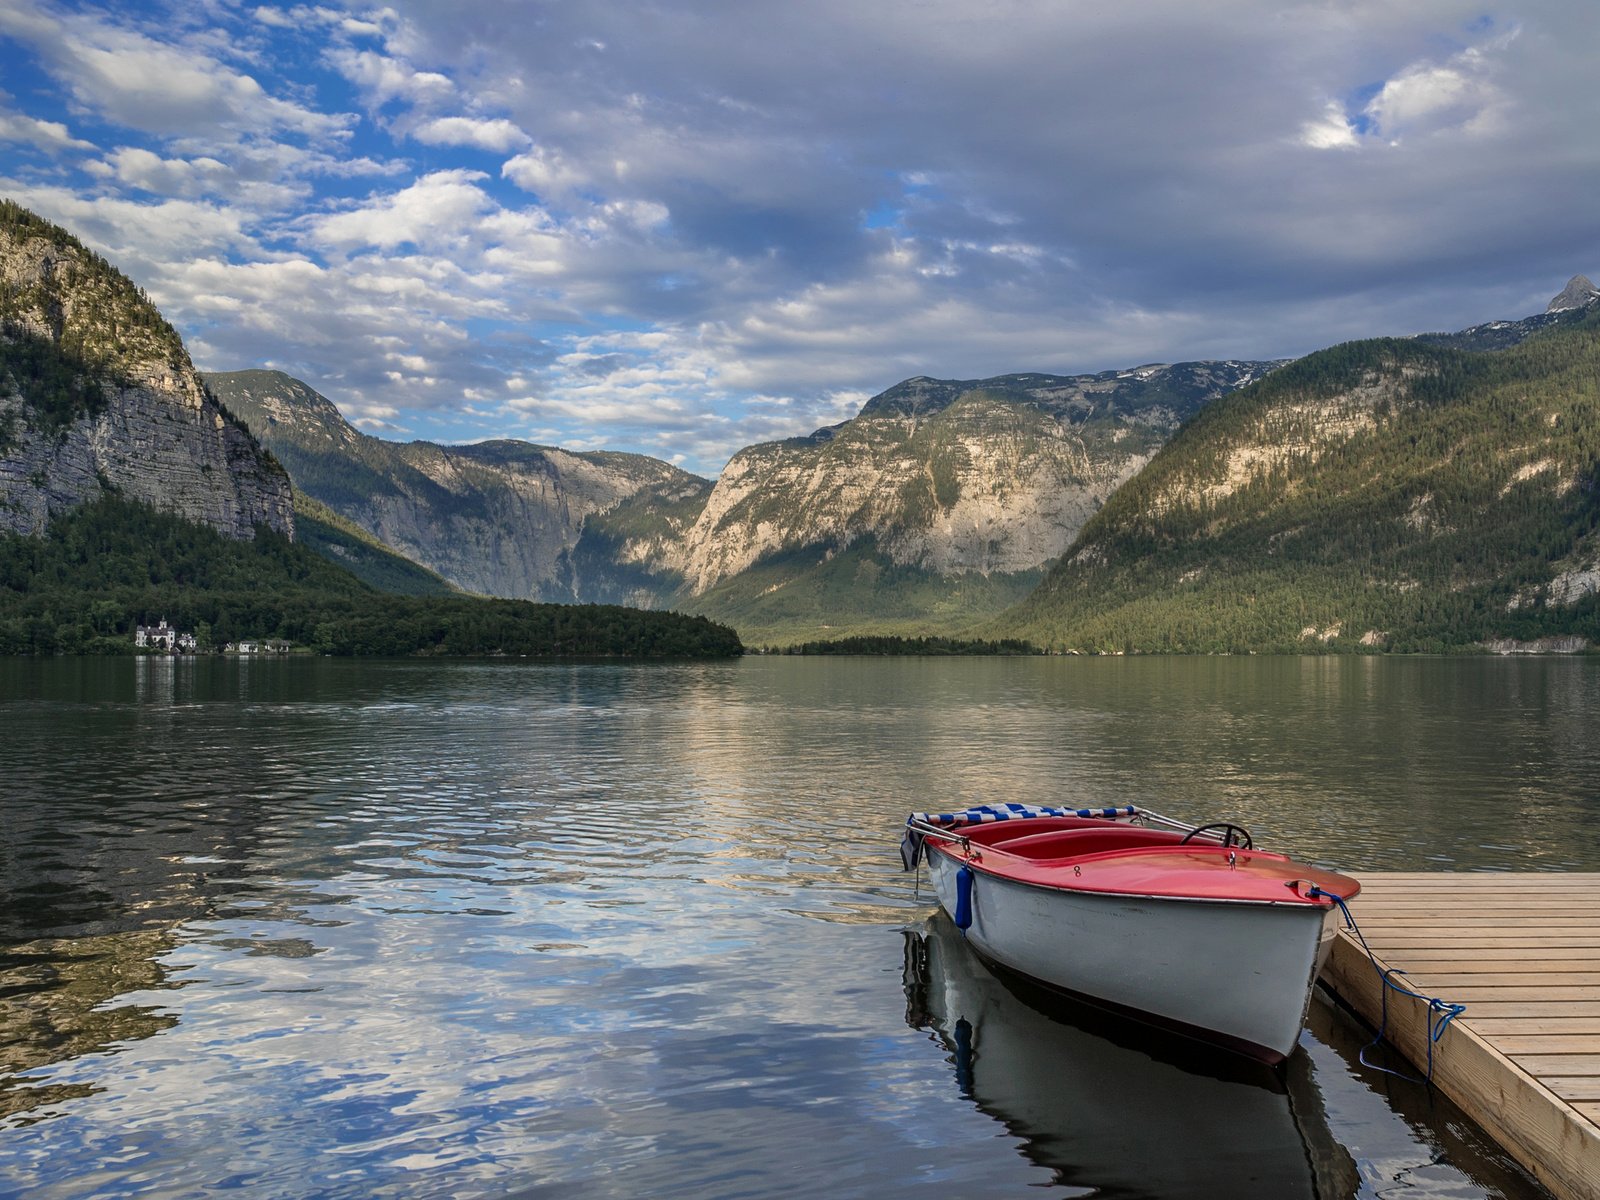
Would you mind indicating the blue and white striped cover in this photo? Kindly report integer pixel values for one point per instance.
(983, 814)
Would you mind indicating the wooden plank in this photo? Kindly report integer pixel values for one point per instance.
(1523, 958)
(1553, 1065)
(1529, 993)
(1450, 914)
(1447, 938)
(1423, 919)
(1477, 879)
(1482, 978)
(1496, 1029)
(1489, 885)
(1576, 1089)
(1479, 925)
(1517, 1044)
(1568, 972)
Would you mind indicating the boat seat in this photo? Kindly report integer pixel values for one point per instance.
(1000, 832)
(1070, 843)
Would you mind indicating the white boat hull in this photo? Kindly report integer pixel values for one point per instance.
(1239, 973)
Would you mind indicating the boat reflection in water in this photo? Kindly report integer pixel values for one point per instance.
(1114, 1106)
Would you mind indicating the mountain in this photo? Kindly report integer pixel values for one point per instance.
(98, 397)
(941, 505)
(1389, 493)
(497, 518)
(940, 502)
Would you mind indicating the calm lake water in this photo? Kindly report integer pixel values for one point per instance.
(338, 929)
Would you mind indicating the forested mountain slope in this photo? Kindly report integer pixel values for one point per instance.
(128, 493)
(1389, 493)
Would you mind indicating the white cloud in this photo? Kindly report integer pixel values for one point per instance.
(441, 208)
(130, 79)
(46, 135)
(145, 240)
(1425, 98)
(1331, 131)
(302, 16)
(497, 135)
(142, 169)
(1461, 93)
(383, 79)
(545, 173)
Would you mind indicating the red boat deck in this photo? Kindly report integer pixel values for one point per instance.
(1090, 856)
(1522, 952)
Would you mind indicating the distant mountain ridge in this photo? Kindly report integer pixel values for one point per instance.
(1146, 388)
(496, 518)
(940, 499)
(1567, 307)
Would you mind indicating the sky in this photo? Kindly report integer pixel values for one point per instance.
(680, 228)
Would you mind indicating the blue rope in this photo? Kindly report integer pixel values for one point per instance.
(1440, 1012)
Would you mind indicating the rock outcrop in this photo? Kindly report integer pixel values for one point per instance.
(98, 395)
(1579, 293)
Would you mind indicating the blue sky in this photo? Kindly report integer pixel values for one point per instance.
(680, 228)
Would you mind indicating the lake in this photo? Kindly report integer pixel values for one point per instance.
(324, 928)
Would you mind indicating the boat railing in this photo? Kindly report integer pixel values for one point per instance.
(928, 829)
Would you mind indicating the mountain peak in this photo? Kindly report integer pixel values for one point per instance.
(98, 395)
(1579, 293)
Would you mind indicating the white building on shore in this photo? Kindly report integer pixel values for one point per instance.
(163, 638)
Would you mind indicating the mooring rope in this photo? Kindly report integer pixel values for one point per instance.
(1440, 1012)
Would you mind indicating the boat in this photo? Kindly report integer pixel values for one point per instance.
(1187, 927)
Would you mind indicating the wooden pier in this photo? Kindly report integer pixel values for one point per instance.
(1522, 952)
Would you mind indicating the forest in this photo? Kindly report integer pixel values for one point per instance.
(928, 646)
(107, 566)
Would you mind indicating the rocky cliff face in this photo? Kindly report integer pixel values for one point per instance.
(500, 518)
(97, 394)
(953, 476)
